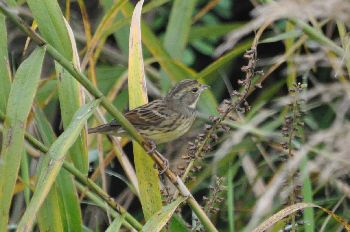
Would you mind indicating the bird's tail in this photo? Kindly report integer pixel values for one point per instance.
(105, 128)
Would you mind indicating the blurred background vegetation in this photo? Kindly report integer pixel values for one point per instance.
(285, 142)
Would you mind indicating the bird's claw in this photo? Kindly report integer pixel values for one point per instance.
(166, 165)
(150, 146)
(150, 149)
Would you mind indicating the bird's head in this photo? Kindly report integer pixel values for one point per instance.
(186, 93)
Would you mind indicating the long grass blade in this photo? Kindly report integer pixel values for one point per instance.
(116, 224)
(103, 26)
(178, 28)
(159, 220)
(178, 224)
(52, 166)
(62, 198)
(176, 34)
(307, 194)
(57, 33)
(230, 196)
(19, 103)
(207, 74)
(5, 81)
(146, 174)
(25, 176)
(211, 31)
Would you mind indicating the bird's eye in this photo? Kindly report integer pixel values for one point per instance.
(194, 90)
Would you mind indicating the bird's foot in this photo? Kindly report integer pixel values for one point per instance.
(165, 164)
(151, 146)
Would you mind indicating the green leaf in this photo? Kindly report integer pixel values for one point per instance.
(25, 176)
(207, 74)
(62, 199)
(177, 224)
(51, 25)
(111, 12)
(176, 34)
(107, 76)
(178, 28)
(154, 46)
(212, 31)
(5, 80)
(68, 201)
(203, 47)
(307, 195)
(19, 103)
(283, 36)
(230, 195)
(57, 33)
(153, 5)
(69, 97)
(49, 216)
(52, 166)
(146, 174)
(159, 220)
(116, 224)
(46, 91)
(120, 31)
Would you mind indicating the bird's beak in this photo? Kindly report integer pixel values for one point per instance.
(204, 87)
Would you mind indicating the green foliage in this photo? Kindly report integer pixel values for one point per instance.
(62, 199)
(5, 81)
(53, 163)
(53, 28)
(280, 148)
(18, 106)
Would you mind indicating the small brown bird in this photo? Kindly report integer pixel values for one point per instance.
(162, 120)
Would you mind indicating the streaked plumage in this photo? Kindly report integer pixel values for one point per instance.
(165, 119)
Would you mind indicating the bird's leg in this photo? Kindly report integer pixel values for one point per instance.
(166, 163)
(151, 146)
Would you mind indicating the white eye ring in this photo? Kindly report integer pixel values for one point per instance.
(194, 90)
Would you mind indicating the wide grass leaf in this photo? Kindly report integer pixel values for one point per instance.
(51, 25)
(146, 174)
(62, 199)
(177, 224)
(52, 166)
(19, 103)
(116, 224)
(158, 221)
(211, 31)
(57, 33)
(307, 195)
(176, 35)
(5, 81)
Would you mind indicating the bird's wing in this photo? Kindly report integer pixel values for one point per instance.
(153, 113)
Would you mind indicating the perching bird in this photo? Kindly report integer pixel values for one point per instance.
(162, 120)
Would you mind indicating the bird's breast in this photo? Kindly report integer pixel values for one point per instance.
(172, 131)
